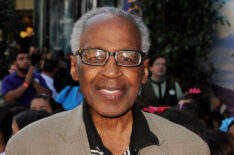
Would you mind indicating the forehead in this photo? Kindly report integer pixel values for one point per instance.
(112, 29)
(160, 59)
(20, 55)
(39, 101)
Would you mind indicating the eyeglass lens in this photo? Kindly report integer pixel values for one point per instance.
(100, 57)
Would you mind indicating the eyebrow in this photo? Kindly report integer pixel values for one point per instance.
(104, 49)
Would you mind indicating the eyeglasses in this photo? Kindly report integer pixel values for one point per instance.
(99, 57)
(160, 64)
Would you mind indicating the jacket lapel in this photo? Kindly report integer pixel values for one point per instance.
(152, 150)
(155, 128)
(74, 133)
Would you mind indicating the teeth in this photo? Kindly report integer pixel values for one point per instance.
(110, 91)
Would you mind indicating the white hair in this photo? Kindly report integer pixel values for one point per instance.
(79, 26)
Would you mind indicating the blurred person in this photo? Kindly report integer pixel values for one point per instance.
(70, 97)
(160, 90)
(12, 68)
(220, 143)
(5, 128)
(25, 118)
(45, 102)
(193, 108)
(32, 50)
(48, 73)
(110, 69)
(226, 123)
(17, 109)
(185, 119)
(12, 104)
(216, 118)
(194, 102)
(35, 58)
(23, 84)
(231, 128)
(50, 55)
(63, 70)
(41, 102)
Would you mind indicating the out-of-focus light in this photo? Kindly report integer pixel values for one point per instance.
(23, 34)
(29, 31)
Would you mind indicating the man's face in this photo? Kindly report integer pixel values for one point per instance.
(110, 90)
(23, 62)
(158, 68)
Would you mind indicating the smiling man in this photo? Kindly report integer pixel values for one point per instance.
(109, 47)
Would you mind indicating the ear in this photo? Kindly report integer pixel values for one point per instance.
(146, 71)
(150, 68)
(73, 69)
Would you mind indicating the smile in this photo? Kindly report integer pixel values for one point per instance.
(111, 94)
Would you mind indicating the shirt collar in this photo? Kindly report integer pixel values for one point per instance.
(48, 78)
(157, 82)
(15, 74)
(141, 135)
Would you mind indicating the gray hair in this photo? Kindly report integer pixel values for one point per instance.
(80, 25)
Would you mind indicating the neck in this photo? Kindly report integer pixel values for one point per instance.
(2, 148)
(48, 74)
(116, 126)
(157, 78)
(21, 74)
(115, 133)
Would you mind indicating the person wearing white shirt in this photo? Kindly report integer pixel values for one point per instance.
(49, 70)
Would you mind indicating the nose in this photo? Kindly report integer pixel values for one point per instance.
(111, 69)
(27, 60)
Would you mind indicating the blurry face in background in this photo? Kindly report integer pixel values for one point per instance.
(15, 127)
(110, 90)
(158, 68)
(12, 68)
(23, 62)
(41, 104)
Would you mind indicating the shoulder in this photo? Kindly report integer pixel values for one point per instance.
(173, 137)
(37, 75)
(51, 131)
(147, 84)
(173, 82)
(43, 127)
(8, 77)
(177, 84)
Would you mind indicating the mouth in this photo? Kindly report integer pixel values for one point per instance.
(160, 71)
(111, 94)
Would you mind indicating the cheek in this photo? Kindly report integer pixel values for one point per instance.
(150, 69)
(86, 77)
(134, 78)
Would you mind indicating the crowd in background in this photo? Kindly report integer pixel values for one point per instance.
(191, 110)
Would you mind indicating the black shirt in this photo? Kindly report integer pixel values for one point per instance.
(141, 135)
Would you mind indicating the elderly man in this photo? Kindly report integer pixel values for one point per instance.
(110, 47)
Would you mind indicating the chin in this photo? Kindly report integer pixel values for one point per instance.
(112, 112)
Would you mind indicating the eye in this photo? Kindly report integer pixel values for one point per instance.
(128, 58)
(94, 56)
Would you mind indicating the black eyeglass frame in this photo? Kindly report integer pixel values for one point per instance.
(80, 51)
